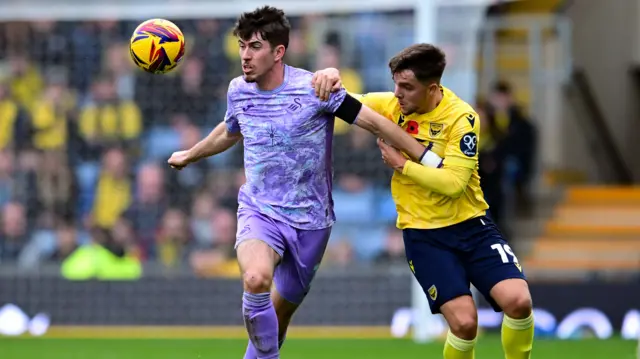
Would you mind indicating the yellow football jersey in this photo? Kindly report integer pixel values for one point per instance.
(453, 128)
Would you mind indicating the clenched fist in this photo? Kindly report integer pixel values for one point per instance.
(179, 160)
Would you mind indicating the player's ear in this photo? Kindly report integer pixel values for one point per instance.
(434, 88)
(279, 52)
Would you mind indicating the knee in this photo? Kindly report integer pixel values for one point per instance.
(256, 281)
(464, 324)
(519, 305)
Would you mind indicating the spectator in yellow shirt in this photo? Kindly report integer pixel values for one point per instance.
(51, 115)
(107, 120)
(13, 131)
(113, 193)
(26, 80)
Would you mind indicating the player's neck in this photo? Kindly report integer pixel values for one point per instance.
(432, 103)
(272, 79)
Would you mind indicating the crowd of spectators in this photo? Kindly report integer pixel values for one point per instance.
(85, 136)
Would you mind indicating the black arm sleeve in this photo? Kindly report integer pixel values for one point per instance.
(349, 109)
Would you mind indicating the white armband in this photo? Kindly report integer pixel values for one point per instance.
(430, 158)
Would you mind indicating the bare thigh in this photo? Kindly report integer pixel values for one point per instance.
(257, 261)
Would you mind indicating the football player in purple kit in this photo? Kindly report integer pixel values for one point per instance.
(285, 208)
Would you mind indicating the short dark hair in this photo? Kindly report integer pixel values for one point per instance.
(426, 61)
(268, 21)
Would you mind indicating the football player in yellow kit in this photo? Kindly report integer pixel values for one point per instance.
(450, 239)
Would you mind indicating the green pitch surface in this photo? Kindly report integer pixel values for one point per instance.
(488, 348)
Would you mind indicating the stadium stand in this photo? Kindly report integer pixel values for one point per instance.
(593, 229)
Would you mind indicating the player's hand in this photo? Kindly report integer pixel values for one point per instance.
(391, 156)
(325, 82)
(179, 160)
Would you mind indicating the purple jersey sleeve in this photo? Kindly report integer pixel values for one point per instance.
(335, 100)
(230, 118)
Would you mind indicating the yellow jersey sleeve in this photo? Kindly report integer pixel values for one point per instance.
(450, 182)
(380, 102)
(462, 147)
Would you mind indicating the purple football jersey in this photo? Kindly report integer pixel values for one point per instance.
(287, 149)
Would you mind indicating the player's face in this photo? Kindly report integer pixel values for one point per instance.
(413, 95)
(258, 57)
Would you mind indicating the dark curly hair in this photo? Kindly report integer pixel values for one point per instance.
(268, 21)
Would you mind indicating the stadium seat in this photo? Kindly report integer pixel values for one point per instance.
(593, 229)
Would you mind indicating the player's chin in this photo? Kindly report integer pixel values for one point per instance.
(407, 111)
(249, 78)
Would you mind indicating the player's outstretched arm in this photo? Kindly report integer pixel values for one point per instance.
(353, 111)
(218, 141)
(367, 113)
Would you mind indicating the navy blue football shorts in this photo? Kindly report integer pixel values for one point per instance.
(445, 261)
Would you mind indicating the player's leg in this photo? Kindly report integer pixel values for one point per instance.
(294, 274)
(494, 269)
(442, 276)
(259, 249)
(513, 296)
(284, 310)
(284, 313)
(462, 316)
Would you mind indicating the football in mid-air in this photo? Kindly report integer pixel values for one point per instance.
(157, 46)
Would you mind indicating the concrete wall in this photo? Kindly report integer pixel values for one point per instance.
(605, 45)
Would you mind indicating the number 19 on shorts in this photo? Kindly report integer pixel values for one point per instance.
(504, 250)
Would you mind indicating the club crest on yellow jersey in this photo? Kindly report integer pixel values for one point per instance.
(435, 129)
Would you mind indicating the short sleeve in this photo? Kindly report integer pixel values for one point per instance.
(230, 119)
(334, 102)
(462, 147)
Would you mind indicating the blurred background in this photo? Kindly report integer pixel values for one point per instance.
(96, 230)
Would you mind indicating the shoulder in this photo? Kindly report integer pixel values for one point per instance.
(296, 73)
(299, 88)
(236, 86)
(458, 109)
(300, 80)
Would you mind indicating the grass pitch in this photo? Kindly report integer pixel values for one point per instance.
(488, 348)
